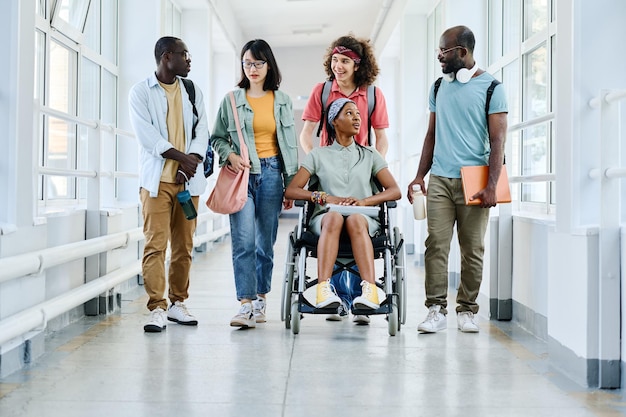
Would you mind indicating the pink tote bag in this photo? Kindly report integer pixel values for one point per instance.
(231, 188)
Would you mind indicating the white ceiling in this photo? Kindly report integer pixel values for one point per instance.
(291, 23)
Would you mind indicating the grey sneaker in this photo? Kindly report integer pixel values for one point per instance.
(178, 313)
(258, 308)
(361, 319)
(156, 322)
(244, 318)
(465, 322)
(434, 321)
(342, 313)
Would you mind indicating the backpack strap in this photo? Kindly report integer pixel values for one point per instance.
(492, 87)
(371, 105)
(191, 91)
(323, 99)
(437, 84)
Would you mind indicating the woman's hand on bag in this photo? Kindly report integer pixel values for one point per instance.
(237, 163)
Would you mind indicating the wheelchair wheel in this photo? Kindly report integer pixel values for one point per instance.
(295, 318)
(392, 320)
(400, 276)
(290, 267)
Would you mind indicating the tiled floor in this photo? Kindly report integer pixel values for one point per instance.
(110, 367)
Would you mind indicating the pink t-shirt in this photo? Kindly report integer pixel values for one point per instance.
(380, 120)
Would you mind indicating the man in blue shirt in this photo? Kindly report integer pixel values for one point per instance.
(460, 133)
(172, 142)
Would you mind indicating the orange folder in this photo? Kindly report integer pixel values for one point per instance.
(474, 179)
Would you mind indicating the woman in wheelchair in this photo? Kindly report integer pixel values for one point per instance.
(345, 172)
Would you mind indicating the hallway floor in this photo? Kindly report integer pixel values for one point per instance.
(110, 367)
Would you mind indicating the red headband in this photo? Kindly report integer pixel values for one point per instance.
(347, 52)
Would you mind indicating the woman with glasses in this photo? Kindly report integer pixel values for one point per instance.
(267, 123)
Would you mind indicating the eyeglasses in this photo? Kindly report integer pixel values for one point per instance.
(250, 64)
(185, 54)
(445, 51)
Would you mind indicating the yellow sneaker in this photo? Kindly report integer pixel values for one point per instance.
(368, 297)
(326, 296)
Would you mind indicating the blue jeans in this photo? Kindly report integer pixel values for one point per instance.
(347, 285)
(253, 231)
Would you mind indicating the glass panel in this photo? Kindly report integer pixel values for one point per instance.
(40, 62)
(40, 8)
(92, 27)
(535, 17)
(510, 82)
(535, 161)
(495, 30)
(109, 30)
(62, 71)
(552, 72)
(89, 91)
(109, 98)
(72, 12)
(511, 24)
(535, 88)
(59, 154)
(82, 162)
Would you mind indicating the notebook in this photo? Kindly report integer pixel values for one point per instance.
(474, 179)
(371, 211)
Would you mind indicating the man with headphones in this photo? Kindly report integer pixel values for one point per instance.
(460, 133)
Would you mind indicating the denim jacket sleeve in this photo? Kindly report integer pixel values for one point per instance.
(220, 138)
(286, 133)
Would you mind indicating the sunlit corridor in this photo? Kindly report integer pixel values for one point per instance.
(109, 367)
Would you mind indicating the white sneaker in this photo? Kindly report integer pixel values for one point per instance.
(358, 319)
(244, 318)
(258, 308)
(156, 322)
(178, 313)
(434, 321)
(465, 322)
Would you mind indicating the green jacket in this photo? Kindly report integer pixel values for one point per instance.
(224, 139)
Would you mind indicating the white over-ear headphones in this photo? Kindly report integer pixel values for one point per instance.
(463, 75)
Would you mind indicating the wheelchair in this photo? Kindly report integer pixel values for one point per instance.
(388, 246)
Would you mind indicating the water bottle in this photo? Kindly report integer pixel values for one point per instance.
(419, 209)
(184, 198)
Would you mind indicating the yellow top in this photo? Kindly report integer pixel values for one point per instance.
(175, 128)
(264, 125)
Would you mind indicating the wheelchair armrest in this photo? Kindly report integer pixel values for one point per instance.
(391, 204)
(300, 203)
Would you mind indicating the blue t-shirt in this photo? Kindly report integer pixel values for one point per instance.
(461, 137)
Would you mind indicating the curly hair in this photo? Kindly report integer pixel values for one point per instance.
(368, 68)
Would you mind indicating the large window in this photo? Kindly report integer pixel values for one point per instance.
(75, 82)
(522, 44)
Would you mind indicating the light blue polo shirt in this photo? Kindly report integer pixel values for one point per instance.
(461, 137)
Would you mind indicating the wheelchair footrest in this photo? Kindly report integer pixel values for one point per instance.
(385, 308)
(304, 306)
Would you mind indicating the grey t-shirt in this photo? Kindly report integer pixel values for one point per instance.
(344, 171)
